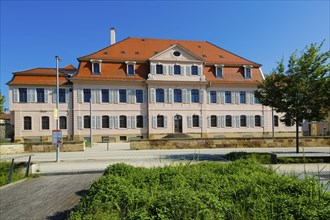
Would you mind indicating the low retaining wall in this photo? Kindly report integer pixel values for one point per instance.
(229, 143)
(69, 146)
(11, 149)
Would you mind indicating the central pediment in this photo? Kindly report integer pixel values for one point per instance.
(176, 53)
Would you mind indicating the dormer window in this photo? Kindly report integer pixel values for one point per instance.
(96, 67)
(194, 70)
(219, 71)
(247, 72)
(130, 68)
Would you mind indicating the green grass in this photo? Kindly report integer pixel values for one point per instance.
(18, 174)
(238, 190)
(265, 158)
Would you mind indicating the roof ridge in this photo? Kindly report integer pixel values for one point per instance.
(166, 39)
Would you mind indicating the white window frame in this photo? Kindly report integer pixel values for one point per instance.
(216, 70)
(100, 66)
(130, 63)
(245, 68)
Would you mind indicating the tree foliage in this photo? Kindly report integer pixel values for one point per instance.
(302, 90)
(2, 101)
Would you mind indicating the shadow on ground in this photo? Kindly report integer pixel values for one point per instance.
(196, 157)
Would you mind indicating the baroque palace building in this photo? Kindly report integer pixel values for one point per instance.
(145, 88)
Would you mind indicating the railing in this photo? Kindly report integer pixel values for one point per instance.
(12, 165)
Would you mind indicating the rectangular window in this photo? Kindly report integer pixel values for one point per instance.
(27, 123)
(159, 95)
(213, 121)
(122, 121)
(22, 94)
(105, 95)
(177, 70)
(247, 73)
(195, 120)
(45, 123)
(87, 95)
(194, 95)
(228, 97)
(130, 69)
(160, 121)
(194, 70)
(122, 95)
(96, 68)
(242, 97)
(139, 121)
(159, 69)
(40, 95)
(213, 97)
(105, 121)
(177, 95)
(219, 72)
(256, 100)
(139, 96)
(63, 124)
(228, 121)
(62, 95)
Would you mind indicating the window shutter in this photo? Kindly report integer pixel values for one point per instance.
(133, 96)
(248, 121)
(98, 95)
(262, 121)
(201, 96)
(170, 95)
(182, 70)
(46, 95)
(15, 95)
(222, 97)
(238, 121)
(236, 97)
(189, 121)
(54, 96)
(145, 121)
(248, 98)
(93, 121)
(79, 95)
(208, 121)
(199, 71)
(67, 93)
(128, 120)
(93, 96)
(80, 122)
(188, 70)
(98, 122)
(116, 119)
(31, 95)
(110, 121)
(233, 97)
(164, 69)
(233, 121)
(165, 95)
(34, 95)
(171, 69)
(251, 98)
(208, 97)
(128, 96)
(152, 95)
(188, 99)
(165, 121)
(153, 68)
(201, 121)
(145, 95)
(116, 96)
(222, 121)
(218, 121)
(154, 121)
(184, 95)
(111, 98)
(133, 121)
(252, 121)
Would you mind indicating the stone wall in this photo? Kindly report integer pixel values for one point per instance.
(229, 143)
(11, 149)
(67, 146)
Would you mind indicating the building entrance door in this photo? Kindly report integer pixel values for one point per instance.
(178, 124)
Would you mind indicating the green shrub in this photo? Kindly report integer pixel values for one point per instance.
(239, 190)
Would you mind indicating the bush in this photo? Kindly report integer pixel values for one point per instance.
(239, 190)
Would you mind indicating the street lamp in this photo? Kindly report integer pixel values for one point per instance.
(57, 101)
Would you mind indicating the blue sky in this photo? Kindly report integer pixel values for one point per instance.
(34, 32)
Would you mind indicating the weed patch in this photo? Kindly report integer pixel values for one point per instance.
(18, 174)
(238, 190)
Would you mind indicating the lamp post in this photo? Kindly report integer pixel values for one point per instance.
(57, 101)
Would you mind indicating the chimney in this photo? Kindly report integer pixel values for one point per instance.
(112, 36)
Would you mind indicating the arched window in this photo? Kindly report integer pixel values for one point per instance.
(213, 121)
(63, 123)
(195, 95)
(160, 121)
(177, 70)
(87, 121)
(27, 123)
(122, 121)
(195, 120)
(228, 121)
(44, 122)
(243, 120)
(257, 120)
(139, 121)
(159, 69)
(105, 121)
(177, 95)
(275, 120)
(159, 95)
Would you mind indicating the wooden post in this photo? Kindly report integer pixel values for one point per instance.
(28, 167)
(11, 171)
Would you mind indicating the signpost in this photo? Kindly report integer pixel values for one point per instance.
(57, 140)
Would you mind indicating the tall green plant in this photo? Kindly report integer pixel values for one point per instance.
(301, 90)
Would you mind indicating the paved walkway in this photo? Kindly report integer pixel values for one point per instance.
(45, 197)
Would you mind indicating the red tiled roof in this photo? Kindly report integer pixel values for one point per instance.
(5, 116)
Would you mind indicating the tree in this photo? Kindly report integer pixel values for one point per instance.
(2, 101)
(302, 91)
